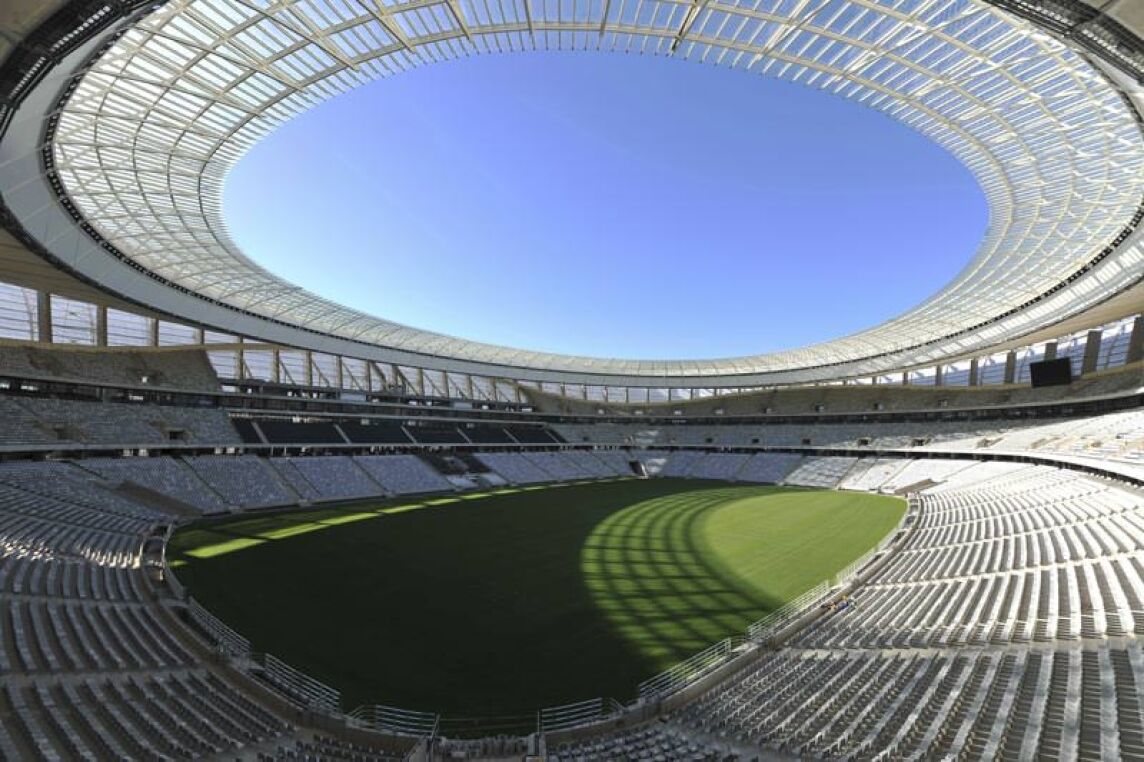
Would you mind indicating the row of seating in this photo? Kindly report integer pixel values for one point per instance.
(182, 714)
(55, 636)
(92, 667)
(188, 369)
(1075, 703)
(1005, 626)
(1109, 436)
(45, 420)
(29, 576)
(1016, 591)
(654, 742)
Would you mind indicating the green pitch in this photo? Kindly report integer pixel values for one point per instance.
(501, 603)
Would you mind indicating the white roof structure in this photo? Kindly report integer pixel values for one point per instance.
(141, 141)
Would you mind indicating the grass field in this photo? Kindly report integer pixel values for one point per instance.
(503, 603)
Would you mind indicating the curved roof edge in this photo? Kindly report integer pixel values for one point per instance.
(31, 197)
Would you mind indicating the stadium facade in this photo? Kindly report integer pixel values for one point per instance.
(1008, 604)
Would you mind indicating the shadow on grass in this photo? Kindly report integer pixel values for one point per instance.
(660, 586)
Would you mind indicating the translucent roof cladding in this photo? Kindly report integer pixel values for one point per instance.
(144, 142)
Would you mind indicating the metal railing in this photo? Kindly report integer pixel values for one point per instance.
(689, 670)
(389, 719)
(576, 714)
(300, 688)
(173, 583)
(764, 629)
(227, 640)
(847, 573)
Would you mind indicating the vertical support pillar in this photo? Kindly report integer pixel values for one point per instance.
(240, 364)
(937, 376)
(1136, 341)
(973, 377)
(1010, 367)
(276, 363)
(905, 378)
(44, 317)
(153, 328)
(1091, 353)
(309, 368)
(100, 325)
(1050, 350)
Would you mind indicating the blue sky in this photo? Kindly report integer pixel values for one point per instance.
(610, 205)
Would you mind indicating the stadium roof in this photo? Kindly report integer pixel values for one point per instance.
(141, 135)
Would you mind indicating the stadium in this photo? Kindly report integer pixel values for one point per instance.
(239, 520)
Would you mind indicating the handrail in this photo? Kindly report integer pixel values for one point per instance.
(390, 719)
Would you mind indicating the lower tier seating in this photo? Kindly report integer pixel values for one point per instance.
(1003, 623)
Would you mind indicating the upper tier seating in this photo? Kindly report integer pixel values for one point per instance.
(486, 434)
(188, 369)
(248, 431)
(44, 420)
(1114, 435)
(533, 435)
(435, 434)
(289, 432)
(376, 432)
(1118, 436)
(794, 400)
